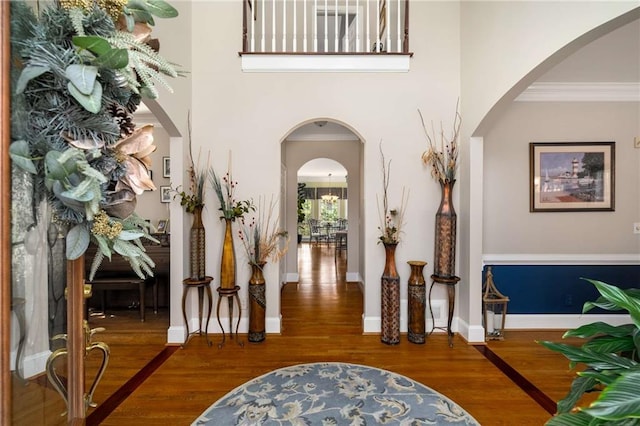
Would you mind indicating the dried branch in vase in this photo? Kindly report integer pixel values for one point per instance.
(261, 237)
(391, 220)
(443, 160)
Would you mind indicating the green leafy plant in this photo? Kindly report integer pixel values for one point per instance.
(612, 365)
(78, 74)
(302, 198)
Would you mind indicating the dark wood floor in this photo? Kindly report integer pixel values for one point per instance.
(321, 321)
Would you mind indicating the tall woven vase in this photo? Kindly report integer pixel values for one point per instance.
(445, 234)
(417, 299)
(390, 298)
(257, 303)
(228, 261)
(197, 247)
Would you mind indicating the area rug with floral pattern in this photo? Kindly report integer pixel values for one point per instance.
(334, 394)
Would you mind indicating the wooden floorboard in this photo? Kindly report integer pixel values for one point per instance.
(322, 322)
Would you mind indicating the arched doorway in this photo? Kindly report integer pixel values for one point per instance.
(333, 141)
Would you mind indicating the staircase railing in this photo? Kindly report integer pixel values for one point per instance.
(335, 27)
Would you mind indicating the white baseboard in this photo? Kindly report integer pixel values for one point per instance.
(35, 364)
(561, 321)
(354, 277)
(273, 324)
(175, 334)
(371, 324)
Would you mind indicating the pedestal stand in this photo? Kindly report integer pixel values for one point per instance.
(230, 294)
(201, 285)
(450, 282)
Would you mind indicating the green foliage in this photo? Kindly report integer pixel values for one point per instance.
(612, 364)
(73, 91)
(229, 206)
(301, 200)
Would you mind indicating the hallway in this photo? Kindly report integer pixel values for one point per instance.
(322, 300)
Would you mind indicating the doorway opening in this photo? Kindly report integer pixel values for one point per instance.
(322, 161)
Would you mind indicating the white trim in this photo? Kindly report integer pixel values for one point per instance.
(33, 365)
(371, 324)
(292, 277)
(561, 259)
(175, 334)
(354, 277)
(561, 321)
(581, 92)
(272, 324)
(325, 63)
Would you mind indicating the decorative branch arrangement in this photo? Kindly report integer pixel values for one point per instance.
(261, 237)
(391, 220)
(231, 208)
(197, 177)
(82, 67)
(443, 160)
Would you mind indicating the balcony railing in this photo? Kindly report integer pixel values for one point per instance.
(325, 27)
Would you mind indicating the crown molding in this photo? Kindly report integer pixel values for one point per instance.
(581, 92)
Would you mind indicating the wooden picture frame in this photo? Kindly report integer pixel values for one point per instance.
(163, 224)
(571, 176)
(166, 167)
(165, 194)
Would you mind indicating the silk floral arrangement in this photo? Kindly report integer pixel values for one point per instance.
(80, 69)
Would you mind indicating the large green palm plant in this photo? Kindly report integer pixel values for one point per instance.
(612, 364)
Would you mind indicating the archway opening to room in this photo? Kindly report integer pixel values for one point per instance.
(323, 182)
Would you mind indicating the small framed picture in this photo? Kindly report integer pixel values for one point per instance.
(162, 226)
(572, 176)
(165, 194)
(166, 167)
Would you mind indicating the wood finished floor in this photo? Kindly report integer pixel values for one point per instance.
(321, 321)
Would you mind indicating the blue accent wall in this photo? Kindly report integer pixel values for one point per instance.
(557, 289)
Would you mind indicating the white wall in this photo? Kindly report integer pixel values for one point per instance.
(477, 51)
(148, 204)
(249, 114)
(510, 228)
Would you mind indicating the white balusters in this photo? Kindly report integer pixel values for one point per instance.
(387, 20)
(358, 49)
(284, 26)
(346, 26)
(262, 43)
(304, 26)
(398, 37)
(295, 26)
(326, 26)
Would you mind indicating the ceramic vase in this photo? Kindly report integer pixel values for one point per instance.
(228, 261)
(197, 247)
(257, 303)
(445, 234)
(417, 300)
(390, 313)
